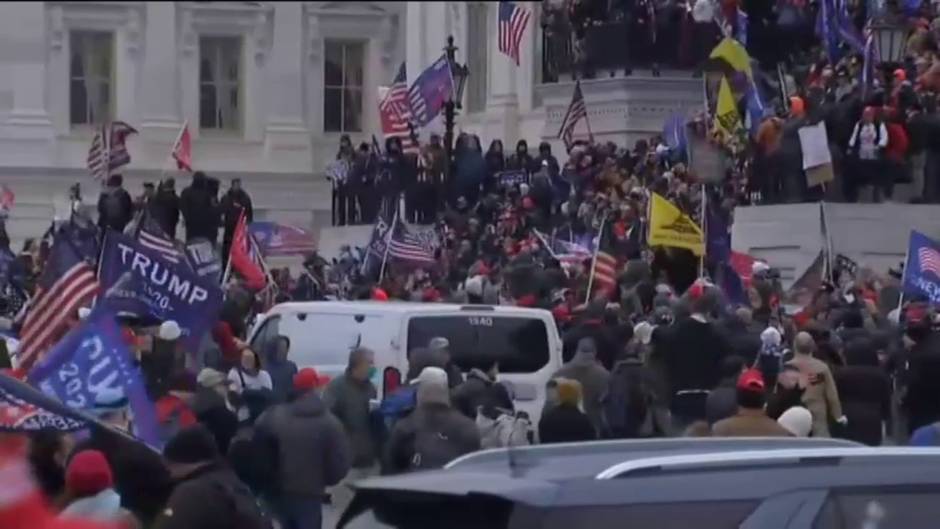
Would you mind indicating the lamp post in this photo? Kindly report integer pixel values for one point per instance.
(890, 38)
(460, 73)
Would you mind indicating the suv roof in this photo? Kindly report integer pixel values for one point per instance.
(584, 460)
(707, 477)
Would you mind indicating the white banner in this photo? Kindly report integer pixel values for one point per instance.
(814, 142)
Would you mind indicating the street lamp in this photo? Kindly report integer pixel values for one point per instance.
(891, 39)
(460, 73)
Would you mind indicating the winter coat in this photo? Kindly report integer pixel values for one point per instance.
(202, 500)
(282, 378)
(749, 423)
(452, 426)
(201, 214)
(348, 399)
(480, 391)
(232, 204)
(865, 394)
(312, 449)
(607, 350)
(722, 402)
(922, 400)
(165, 209)
(691, 352)
(821, 397)
(118, 215)
(211, 410)
(565, 424)
(594, 381)
(104, 506)
(140, 477)
(471, 170)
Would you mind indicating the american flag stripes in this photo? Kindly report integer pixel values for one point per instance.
(183, 149)
(395, 112)
(513, 20)
(929, 260)
(406, 245)
(151, 236)
(605, 270)
(430, 91)
(67, 283)
(577, 111)
(566, 253)
(108, 149)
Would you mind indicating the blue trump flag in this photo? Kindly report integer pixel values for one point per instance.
(156, 288)
(718, 241)
(430, 91)
(676, 135)
(26, 409)
(922, 269)
(91, 362)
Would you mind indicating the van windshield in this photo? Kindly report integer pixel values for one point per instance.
(519, 344)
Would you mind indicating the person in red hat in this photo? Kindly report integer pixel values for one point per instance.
(22, 505)
(90, 485)
(379, 294)
(751, 419)
(312, 454)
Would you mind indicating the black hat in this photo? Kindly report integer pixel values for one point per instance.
(194, 444)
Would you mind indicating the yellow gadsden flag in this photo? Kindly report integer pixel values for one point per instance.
(733, 53)
(671, 227)
(727, 119)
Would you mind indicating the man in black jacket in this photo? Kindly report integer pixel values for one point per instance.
(165, 207)
(115, 206)
(233, 203)
(208, 494)
(592, 326)
(200, 211)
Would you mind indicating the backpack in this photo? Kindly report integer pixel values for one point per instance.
(508, 429)
(246, 510)
(627, 405)
(432, 449)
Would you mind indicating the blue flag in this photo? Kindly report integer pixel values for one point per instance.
(718, 241)
(158, 288)
(922, 269)
(731, 284)
(92, 361)
(26, 409)
(430, 91)
(756, 111)
(676, 135)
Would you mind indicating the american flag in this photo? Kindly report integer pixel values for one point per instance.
(429, 92)
(929, 260)
(408, 246)
(108, 149)
(513, 20)
(151, 235)
(183, 149)
(604, 268)
(67, 283)
(565, 252)
(577, 111)
(395, 112)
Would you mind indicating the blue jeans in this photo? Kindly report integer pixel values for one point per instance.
(299, 512)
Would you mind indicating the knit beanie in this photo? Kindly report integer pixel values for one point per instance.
(194, 444)
(88, 474)
(797, 420)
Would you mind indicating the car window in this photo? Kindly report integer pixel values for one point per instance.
(883, 508)
(422, 511)
(263, 340)
(519, 344)
(684, 515)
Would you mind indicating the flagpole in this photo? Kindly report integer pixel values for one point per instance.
(597, 247)
(388, 239)
(907, 256)
(179, 136)
(701, 261)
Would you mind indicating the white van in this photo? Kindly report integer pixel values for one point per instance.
(322, 333)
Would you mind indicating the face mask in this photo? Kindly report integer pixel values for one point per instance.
(372, 372)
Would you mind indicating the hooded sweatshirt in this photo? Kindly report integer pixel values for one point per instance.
(313, 452)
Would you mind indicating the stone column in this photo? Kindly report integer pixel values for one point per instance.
(24, 27)
(286, 130)
(503, 99)
(160, 93)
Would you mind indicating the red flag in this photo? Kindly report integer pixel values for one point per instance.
(183, 149)
(7, 198)
(240, 257)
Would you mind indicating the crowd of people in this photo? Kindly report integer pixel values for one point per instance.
(662, 348)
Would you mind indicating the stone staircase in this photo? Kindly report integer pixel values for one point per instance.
(299, 199)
